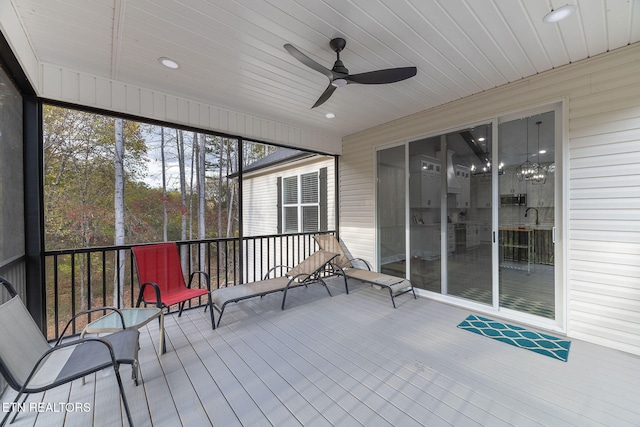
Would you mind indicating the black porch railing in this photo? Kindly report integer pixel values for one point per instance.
(80, 279)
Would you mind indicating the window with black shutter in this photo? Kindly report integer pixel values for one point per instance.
(302, 202)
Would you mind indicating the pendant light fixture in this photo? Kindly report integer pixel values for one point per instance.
(528, 170)
(541, 176)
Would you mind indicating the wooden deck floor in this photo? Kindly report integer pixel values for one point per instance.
(350, 360)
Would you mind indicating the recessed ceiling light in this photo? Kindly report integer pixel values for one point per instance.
(542, 151)
(559, 14)
(481, 139)
(330, 115)
(169, 63)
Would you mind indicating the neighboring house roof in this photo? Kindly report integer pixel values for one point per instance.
(280, 156)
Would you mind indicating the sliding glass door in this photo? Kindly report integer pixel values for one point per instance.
(469, 213)
(391, 212)
(527, 215)
(479, 211)
(425, 213)
(450, 213)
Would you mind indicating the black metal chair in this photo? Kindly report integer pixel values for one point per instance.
(30, 364)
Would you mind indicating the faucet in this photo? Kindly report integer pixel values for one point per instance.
(527, 211)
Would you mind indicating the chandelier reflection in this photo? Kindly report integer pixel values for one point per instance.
(531, 171)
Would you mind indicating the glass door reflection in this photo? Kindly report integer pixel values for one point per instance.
(451, 213)
(391, 217)
(526, 215)
(469, 213)
(425, 201)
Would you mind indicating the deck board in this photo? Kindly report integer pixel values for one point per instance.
(228, 390)
(197, 369)
(286, 395)
(319, 409)
(159, 409)
(443, 377)
(306, 379)
(350, 360)
(376, 368)
(185, 398)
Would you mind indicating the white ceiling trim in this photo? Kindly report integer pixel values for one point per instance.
(83, 89)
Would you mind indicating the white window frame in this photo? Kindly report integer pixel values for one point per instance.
(299, 205)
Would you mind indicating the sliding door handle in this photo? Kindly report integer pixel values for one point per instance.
(553, 235)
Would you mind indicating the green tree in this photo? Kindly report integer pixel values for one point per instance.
(79, 180)
(79, 175)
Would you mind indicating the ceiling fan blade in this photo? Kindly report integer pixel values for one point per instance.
(308, 61)
(390, 75)
(325, 95)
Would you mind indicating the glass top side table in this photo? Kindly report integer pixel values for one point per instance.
(134, 318)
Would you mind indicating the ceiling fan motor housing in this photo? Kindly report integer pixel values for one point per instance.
(337, 44)
(338, 67)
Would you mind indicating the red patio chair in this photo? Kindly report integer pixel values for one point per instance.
(162, 280)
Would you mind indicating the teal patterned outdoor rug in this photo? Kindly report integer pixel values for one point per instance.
(520, 337)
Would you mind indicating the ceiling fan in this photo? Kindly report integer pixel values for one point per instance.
(339, 75)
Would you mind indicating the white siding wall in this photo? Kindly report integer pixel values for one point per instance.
(602, 149)
(260, 213)
(259, 205)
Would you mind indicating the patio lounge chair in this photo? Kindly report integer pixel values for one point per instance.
(30, 364)
(162, 280)
(344, 267)
(307, 272)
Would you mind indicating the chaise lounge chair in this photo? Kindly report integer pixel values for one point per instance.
(307, 272)
(344, 267)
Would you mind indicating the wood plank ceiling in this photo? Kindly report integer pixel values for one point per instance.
(231, 53)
